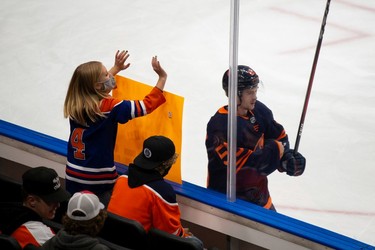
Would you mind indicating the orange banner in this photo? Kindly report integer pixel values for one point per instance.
(166, 120)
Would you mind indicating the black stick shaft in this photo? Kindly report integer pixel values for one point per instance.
(312, 74)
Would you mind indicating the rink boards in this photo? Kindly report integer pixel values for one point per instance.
(232, 225)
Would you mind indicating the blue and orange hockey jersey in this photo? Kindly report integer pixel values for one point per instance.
(90, 159)
(258, 153)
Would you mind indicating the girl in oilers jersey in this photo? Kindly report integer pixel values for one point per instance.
(93, 115)
(262, 144)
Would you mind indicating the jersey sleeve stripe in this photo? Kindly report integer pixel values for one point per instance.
(93, 182)
(161, 197)
(91, 169)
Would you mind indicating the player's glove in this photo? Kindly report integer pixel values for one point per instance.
(292, 164)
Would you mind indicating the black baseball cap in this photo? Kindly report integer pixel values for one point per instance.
(45, 183)
(156, 149)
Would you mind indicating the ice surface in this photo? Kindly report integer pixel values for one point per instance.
(42, 42)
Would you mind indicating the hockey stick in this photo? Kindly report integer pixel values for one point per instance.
(312, 74)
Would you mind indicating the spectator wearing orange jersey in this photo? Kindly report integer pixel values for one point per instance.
(143, 194)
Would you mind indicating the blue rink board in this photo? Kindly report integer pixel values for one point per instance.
(205, 196)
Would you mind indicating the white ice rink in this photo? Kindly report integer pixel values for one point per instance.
(43, 41)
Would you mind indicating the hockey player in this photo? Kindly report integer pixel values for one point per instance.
(262, 144)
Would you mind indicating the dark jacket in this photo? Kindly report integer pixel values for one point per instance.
(62, 240)
(13, 215)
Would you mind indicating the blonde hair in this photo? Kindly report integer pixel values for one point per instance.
(82, 99)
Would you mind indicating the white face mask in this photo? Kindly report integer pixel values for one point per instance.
(109, 84)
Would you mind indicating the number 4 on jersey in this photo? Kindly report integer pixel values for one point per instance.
(77, 143)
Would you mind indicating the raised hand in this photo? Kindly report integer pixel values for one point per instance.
(160, 71)
(157, 67)
(120, 59)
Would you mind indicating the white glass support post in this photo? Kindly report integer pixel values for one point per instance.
(232, 110)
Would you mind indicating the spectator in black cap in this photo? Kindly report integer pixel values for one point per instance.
(143, 194)
(41, 195)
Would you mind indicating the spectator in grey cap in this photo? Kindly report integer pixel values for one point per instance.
(41, 196)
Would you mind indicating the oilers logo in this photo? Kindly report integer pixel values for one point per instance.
(252, 120)
(147, 153)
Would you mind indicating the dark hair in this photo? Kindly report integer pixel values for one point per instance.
(24, 193)
(90, 227)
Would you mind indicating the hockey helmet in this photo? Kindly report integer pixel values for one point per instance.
(247, 78)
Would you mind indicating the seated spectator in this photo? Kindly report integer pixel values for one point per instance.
(41, 195)
(143, 194)
(83, 221)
